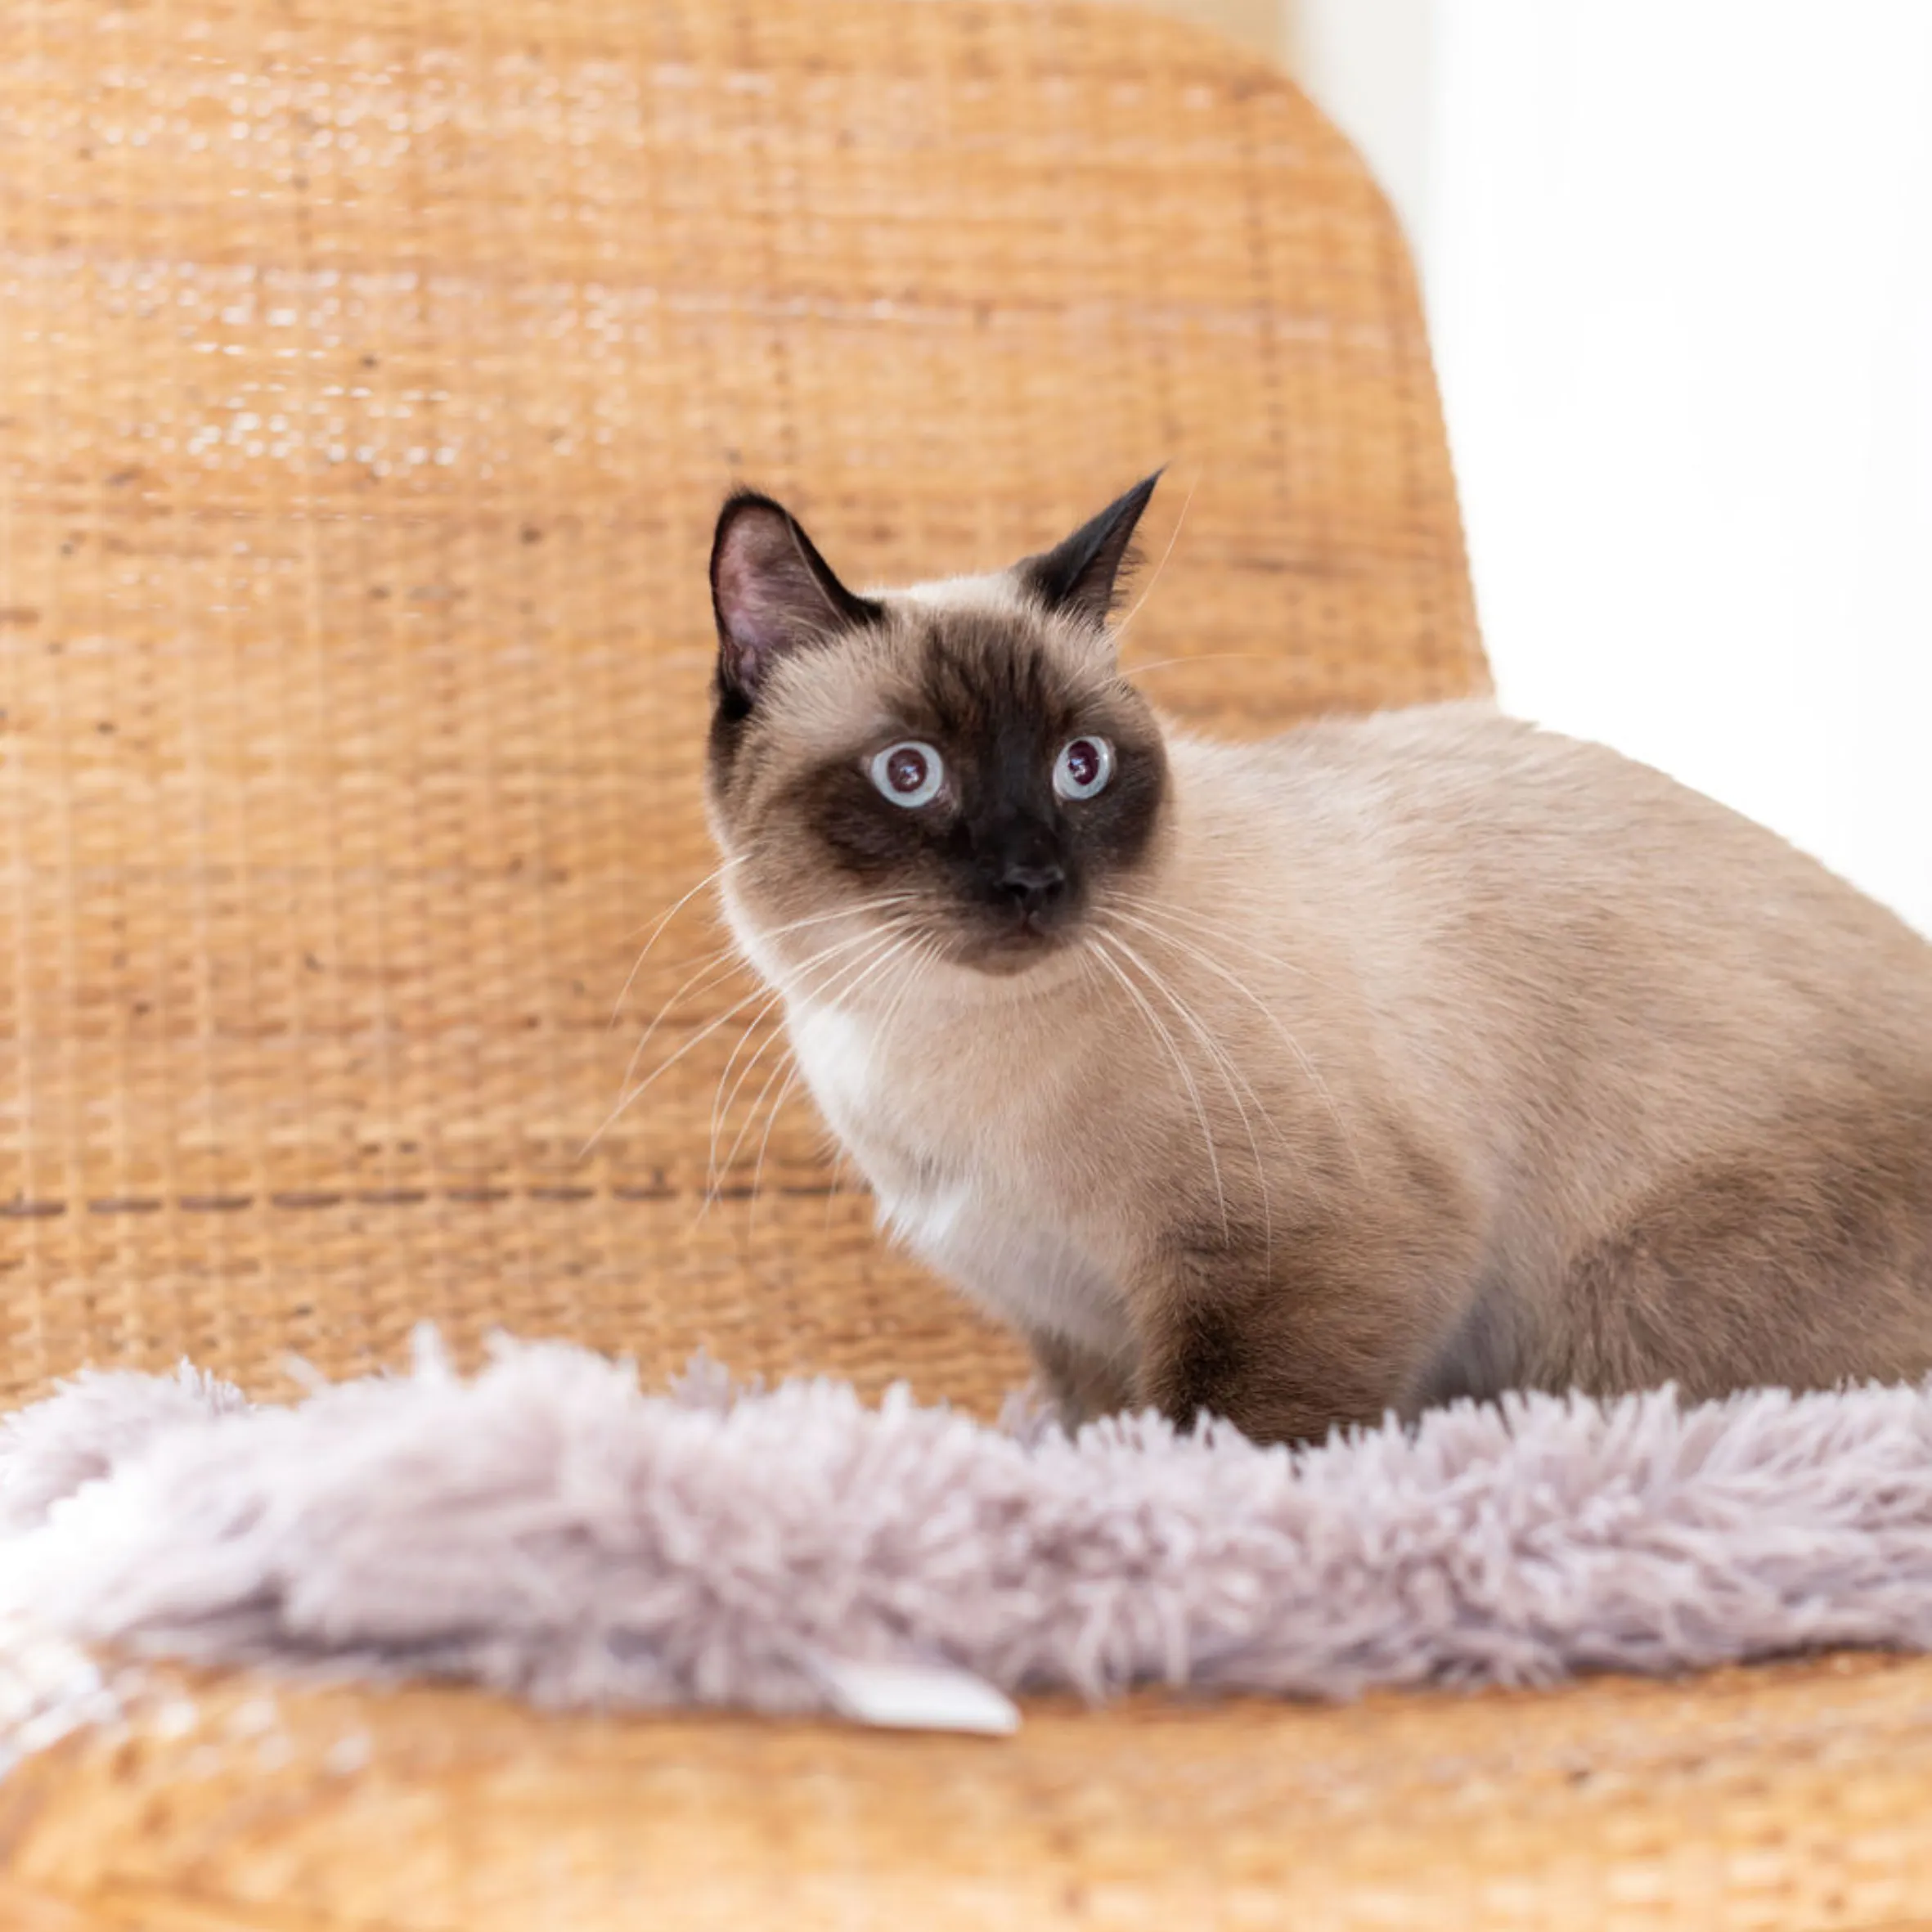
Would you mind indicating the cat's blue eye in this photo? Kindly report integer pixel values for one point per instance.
(1083, 767)
(908, 773)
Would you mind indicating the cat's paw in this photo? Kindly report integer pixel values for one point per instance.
(1032, 1413)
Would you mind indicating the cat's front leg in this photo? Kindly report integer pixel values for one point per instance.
(1286, 1345)
(1081, 1384)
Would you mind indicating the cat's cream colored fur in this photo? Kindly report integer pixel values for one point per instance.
(1416, 1055)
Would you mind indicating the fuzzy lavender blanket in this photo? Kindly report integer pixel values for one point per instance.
(547, 1528)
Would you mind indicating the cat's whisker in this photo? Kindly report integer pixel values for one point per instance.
(719, 1171)
(698, 1039)
(1308, 1067)
(722, 1168)
(664, 920)
(1230, 1075)
(1160, 980)
(722, 1106)
(723, 1102)
(838, 1164)
(882, 902)
(858, 975)
(725, 960)
(1301, 1057)
(709, 970)
(1098, 946)
(846, 991)
(1171, 930)
(1185, 924)
(765, 1142)
(927, 955)
(928, 952)
(632, 1093)
(1184, 930)
(723, 964)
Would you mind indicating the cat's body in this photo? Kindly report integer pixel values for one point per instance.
(1394, 1059)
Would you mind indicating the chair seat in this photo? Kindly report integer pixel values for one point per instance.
(1785, 1796)
(369, 377)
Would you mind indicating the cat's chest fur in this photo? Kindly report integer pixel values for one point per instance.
(969, 1203)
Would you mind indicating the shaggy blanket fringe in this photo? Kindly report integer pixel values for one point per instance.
(548, 1529)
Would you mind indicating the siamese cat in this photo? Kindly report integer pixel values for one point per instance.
(1396, 1060)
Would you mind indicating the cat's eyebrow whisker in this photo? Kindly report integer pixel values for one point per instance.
(1120, 630)
(1229, 1073)
(1201, 658)
(838, 616)
(1101, 952)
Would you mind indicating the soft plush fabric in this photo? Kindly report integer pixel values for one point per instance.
(547, 1528)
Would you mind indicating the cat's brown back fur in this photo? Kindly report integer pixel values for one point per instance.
(1685, 1070)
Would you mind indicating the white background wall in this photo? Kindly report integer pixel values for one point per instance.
(1678, 255)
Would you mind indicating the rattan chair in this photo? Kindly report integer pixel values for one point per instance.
(369, 370)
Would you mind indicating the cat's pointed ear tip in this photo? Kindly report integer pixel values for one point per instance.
(1133, 501)
(751, 528)
(741, 499)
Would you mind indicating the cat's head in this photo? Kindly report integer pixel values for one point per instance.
(960, 765)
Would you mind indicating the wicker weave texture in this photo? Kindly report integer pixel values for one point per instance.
(1784, 1799)
(369, 371)
(369, 374)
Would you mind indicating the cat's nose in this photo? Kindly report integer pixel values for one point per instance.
(1030, 888)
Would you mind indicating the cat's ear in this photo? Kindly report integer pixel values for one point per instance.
(1082, 576)
(772, 592)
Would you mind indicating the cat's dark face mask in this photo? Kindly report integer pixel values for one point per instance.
(963, 764)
